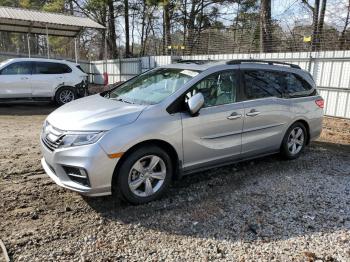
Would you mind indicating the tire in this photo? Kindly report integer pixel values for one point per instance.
(294, 141)
(65, 95)
(138, 182)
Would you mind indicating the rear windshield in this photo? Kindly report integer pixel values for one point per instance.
(79, 67)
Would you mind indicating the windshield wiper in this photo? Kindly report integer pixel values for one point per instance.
(122, 100)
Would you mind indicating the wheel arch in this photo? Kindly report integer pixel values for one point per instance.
(60, 87)
(307, 127)
(157, 142)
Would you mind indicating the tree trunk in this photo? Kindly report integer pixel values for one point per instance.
(101, 55)
(164, 49)
(342, 36)
(167, 27)
(126, 20)
(71, 7)
(143, 25)
(265, 26)
(320, 25)
(316, 10)
(112, 38)
(235, 29)
(132, 32)
(190, 30)
(185, 26)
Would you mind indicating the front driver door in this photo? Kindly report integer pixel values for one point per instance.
(215, 134)
(15, 80)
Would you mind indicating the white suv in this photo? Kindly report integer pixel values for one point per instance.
(42, 79)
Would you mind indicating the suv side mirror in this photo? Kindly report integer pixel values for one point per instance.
(195, 103)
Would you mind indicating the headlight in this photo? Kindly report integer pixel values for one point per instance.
(75, 139)
(45, 124)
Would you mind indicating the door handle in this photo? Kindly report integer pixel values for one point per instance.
(24, 78)
(253, 112)
(234, 116)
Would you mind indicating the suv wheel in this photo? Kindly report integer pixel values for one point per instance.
(294, 141)
(65, 95)
(145, 175)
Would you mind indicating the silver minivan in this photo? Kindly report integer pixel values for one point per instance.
(179, 119)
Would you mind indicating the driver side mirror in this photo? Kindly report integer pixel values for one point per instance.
(195, 103)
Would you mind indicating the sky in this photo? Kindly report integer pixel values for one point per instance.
(289, 11)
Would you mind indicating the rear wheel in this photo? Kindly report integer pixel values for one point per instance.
(294, 141)
(145, 175)
(65, 95)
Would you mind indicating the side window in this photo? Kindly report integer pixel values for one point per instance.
(261, 83)
(63, 69)
(18, 68)
(51, 68)
(297, 87)
(218, 89)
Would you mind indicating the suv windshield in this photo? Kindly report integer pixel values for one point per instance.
(152, 87)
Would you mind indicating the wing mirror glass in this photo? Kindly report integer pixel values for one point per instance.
(195, 103)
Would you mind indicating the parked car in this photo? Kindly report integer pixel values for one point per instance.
(41, 79)
(176, 120)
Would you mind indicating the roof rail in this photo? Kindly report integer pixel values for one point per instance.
(240, 61)
(189, 61)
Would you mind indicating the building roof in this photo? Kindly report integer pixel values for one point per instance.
(33, 21)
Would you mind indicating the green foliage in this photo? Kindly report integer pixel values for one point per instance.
(54, 6)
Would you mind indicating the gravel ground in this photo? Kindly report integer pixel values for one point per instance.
(261, 210)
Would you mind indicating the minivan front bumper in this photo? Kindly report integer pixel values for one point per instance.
(62, 165)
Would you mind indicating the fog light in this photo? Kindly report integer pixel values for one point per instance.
(78, 175)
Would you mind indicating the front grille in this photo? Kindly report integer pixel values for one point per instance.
(56, 136)
(52, 145)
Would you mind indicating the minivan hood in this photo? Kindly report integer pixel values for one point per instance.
(94, 113)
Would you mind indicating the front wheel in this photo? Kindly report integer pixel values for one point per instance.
(294, 141)
(65, 95)
(145, 175)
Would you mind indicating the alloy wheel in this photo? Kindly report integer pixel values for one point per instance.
(296, 140)
(147, 175)
(66, 96)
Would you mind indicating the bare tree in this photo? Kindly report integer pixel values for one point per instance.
(166, 27)
(265, 26)
(317, 21)
(127, 29)
(342, 35)
(320, 25)
(112, 38)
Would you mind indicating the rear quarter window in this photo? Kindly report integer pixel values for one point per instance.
(298, 87)
(80, 68)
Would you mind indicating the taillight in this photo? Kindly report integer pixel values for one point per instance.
(320, 103)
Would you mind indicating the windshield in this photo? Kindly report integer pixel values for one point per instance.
(152, 87)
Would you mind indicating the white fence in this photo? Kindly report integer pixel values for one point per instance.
(330, 69)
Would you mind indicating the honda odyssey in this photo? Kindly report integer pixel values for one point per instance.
(179, 119)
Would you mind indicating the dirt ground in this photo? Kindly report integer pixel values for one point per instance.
(262, 210)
